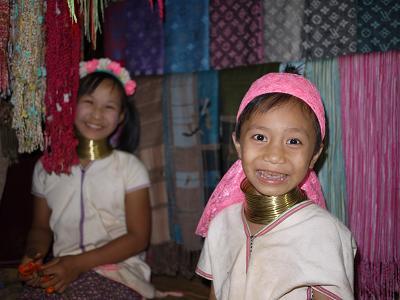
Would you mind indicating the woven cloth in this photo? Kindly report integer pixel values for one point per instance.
(144, 37)
(370, 90)
(378, 25)
(283, 21)
(4, 36)
(331, 171)
(236, 33)
(329, 28)
(186, 36)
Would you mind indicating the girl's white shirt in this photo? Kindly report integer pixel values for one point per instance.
(88, 211)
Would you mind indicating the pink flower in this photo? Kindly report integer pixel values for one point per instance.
(91, 65)
(115, 68)
(130, 87)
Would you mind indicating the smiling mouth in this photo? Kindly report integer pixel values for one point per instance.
(93, 126)
(271, 176)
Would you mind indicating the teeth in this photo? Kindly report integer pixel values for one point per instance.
(271, 175)
(94, 126)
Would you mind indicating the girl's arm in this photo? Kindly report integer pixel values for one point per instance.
(138, 221)
(39, 236)
(212, 293)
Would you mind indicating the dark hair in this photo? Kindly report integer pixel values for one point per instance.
(129, 136)
(263, 103)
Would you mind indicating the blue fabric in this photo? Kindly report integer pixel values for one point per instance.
(186, 36)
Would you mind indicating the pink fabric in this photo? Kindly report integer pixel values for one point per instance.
(228, 190)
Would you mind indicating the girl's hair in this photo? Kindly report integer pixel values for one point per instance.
(264, 103)
(129, 129)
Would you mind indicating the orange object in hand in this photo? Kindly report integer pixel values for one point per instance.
(29, 268)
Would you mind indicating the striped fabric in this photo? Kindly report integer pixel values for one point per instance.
(325, 75)
(370, 91)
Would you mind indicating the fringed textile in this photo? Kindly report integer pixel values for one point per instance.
(378, 26)
(63, 39)
(4, 36)
(27, 67)
(186, 42)
(144, 37)
(236, 33)
(184, 164)
(151, 152)
(370, 90)
(325, 75)
(329, 28)
(283, 21)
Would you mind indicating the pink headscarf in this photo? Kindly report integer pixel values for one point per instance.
(228, 190)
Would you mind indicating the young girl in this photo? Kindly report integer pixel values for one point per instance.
(98, 217)
(267, 239)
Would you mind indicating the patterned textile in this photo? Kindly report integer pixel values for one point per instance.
(283, 21)
(114, 39)
(4, 36)
(184, 163)
(209, 129)
(236, 33)
(370, 90)
(144, 50)
(378, 25)
(233, 84)
(186, 36)
(329, 28)
(325, 75)
(151, 151)
(89, 285)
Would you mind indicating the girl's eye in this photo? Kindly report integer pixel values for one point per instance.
(294, 142)
(259, 137)
(110, 107)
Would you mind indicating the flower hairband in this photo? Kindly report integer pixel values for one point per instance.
(108, 66)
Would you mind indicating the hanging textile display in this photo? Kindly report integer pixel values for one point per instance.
(325, 75)
(4, 36)
(27, 67)
(283, 21)
(370, 91)
(144, 37)
(329, 28)
(114, 37)
(184, 165)
(63, 40)
(236, 33)
(151, 152)
(186, 43)
(378, 25)
(208, 110)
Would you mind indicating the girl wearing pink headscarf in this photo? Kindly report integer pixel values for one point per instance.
(267, 233)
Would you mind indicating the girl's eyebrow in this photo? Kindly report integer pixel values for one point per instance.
(290, 129)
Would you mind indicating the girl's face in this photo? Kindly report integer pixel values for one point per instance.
(98, 114)
(276, 148)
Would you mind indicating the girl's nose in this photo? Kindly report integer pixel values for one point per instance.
(274, 153)
(97, 112)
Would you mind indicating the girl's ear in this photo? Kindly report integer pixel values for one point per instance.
(237, 145)
(316, 156)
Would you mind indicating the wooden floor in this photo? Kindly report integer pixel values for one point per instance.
(193, 289)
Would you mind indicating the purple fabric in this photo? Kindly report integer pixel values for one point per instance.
(89, 285)
(236, 33)
(144, 38)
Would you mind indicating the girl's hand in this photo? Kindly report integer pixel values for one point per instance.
(61, 272)
(28, 269)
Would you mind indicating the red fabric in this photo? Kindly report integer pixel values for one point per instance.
(63, 42)
(4, 34)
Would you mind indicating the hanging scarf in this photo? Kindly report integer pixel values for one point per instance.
(283, 21)
(4, 35)
(186, 43)
(329, 28)
(378, 25)
(325, 75)
(63, 41)
(28, 74)
(370, 89)
(236, 33)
